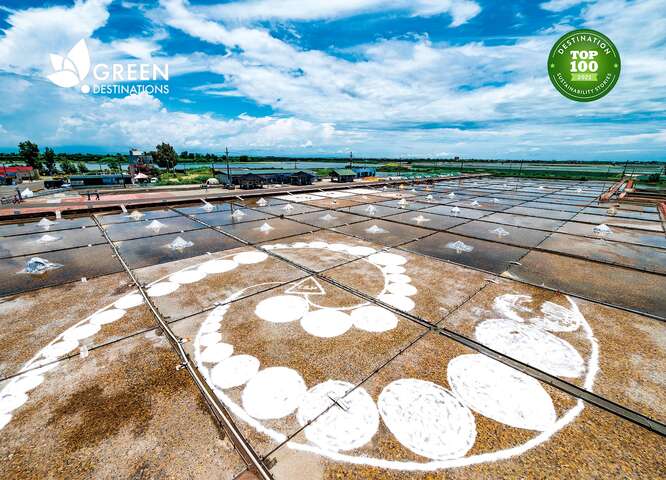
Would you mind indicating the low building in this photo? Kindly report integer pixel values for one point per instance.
(139, 162)
(362, 172)
(246, 178)
(15, 174)
(341, 175)
(83, 181)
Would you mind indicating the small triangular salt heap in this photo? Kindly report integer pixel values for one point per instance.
(500, 232)
(262, 202)
(460, 247)
(37, 266)
(429, 197)
(288, 207)
(402, 203)
(375, 229)
(328, 217)
(475, 203)
(155, 226)
(136, 215)
(455, 210)
(371, 209)
(45, 223)
(451, 195)
(420, 219)
(265, 228)
(208, 207)
(48, 238)
(602, 229)
(237, 214)
(179, 244)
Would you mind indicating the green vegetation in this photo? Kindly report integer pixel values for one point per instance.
(194, 176)
(165, 156)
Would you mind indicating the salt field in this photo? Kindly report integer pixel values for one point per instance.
(469, 328)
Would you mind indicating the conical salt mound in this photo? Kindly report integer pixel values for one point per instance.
(459, 247)
(48, 238)
(375, 229)
(602, 229)
(500, 232)
(45, 223)
(37, 266)
(265, 228)
(179, 244)
(155, 226)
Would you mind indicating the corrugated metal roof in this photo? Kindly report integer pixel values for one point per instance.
(344, 172)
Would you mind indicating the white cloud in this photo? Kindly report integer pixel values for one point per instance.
(461, 11)
(36, 32)
(561, 5)
(375, 104)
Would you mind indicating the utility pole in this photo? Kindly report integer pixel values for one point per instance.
(625, 168)
(351, 159)
(226, 156)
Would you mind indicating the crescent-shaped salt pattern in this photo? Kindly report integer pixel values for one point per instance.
(431, 421)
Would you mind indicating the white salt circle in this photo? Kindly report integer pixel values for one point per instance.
(426, 419)
(398, 278)
(187, 276)
(59, 349)
(12, 401)
(346, 427)
(393, 269)
(217, 313)
(209, 326)
(234, 371)
(338, 247)
(162, 288)
(210, 338)
(405, 304)
(361, 251)
(326, 322)
(217, 352)
(245, 258)
(273, 393)
(557, 318)
(282, 308)
(27, 382)
(386, 259)
(300, 245)
(108, 316)
(318, 245)
(217, 266)
(402, 289)
(500, 392)
(82, 331)
(5, 418)
(531, 345)
(129, 301)
(374, 319)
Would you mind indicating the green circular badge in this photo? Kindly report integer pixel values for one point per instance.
(584, 65)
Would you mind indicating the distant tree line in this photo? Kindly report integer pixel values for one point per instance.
(50, 163)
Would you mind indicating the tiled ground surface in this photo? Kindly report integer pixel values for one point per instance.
(410, 284)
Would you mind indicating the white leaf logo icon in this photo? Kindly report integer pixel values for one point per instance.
(71, 70)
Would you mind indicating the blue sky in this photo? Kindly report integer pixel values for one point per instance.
(396, 78)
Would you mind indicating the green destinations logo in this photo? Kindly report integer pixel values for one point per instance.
(584, 65)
